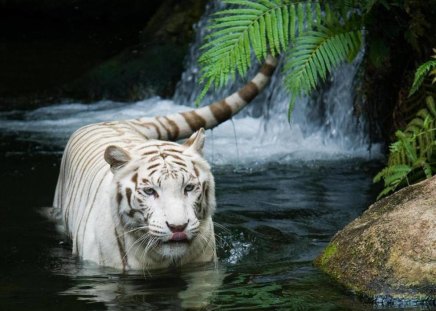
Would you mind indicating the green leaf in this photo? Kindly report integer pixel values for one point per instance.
(203, 92)
(404, 164)
(309, 18)
(253, 32)
(300, 14)
(292, 22)
(250, 4)
(315, 54)
(269, 32)
(396, 177)
(239, 11)
(286, 22)
(251, 26)
(329, 20)
(291, 107)
(421, 74)
(427, 169)
(280, 28)
(262, 28)
(318, 15)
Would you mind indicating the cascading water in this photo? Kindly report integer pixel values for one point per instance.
(322, 126)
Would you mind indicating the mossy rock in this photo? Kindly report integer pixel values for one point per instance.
(389, 253)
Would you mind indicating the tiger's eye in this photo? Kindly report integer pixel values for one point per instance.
(189, 188)
(149, 191)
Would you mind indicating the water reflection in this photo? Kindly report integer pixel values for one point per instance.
(187, 289)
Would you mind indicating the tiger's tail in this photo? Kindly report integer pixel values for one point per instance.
(182, 125)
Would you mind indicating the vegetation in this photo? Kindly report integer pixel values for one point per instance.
(413, 156)
(315, 35)
(318, 35)
(421, 73)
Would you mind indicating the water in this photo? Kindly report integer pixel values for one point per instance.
(277, 218)
(283, 190)
(329, 122)
(280, 200)
(278, 211)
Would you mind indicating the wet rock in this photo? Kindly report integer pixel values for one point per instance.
(173, 21)
(389, 253)
(152, 67)
(136, 73)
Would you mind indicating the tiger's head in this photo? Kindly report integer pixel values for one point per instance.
(165, 195)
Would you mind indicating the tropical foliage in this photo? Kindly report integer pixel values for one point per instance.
(413, 156)
(421, 73)
(316, 36)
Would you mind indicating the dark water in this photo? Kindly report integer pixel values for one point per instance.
(277, 219)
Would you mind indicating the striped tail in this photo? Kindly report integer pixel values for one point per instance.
(183, 125)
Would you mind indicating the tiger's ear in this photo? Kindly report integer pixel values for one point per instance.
(116, 156)
(195, 143)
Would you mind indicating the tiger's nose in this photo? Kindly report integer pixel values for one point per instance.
(177, 228)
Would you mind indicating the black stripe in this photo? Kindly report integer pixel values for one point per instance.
(221, 111)
(165, 128)
(174, 128)
(194, 120)
(248, 92)
(122, 250)
(129, 196)
(153, 166)
(152, 172)
(135, 179)
(179, 163)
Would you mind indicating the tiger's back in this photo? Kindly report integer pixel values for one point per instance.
(84, 180)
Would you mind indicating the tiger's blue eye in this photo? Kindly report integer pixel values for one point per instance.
(149, 191)
(189, 188)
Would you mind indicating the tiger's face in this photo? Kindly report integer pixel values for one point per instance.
(164, 194)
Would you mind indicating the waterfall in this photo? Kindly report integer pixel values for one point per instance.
(326, 122)
(323, 126)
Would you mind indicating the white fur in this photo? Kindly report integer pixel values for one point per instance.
(102, 230)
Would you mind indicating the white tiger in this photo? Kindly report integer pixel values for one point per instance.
(130, 199)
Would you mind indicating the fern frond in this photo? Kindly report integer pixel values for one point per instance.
(255, 26)
(315, 54)
(412, 157)
(393, 177)
(397, 174)
(422, 72)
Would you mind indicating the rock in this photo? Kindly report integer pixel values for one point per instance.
(152, 67)
(173, 21)
(389, 253)
(136, 73)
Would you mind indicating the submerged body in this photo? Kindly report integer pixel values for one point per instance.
(116, 216)
(131, 199)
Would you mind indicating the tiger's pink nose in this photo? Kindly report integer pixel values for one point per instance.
(177, 228)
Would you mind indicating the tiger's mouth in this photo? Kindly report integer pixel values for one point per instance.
(178, 237)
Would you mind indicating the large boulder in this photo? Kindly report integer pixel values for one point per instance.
(389, 253)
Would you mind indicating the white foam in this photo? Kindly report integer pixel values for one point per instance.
(243, 141)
